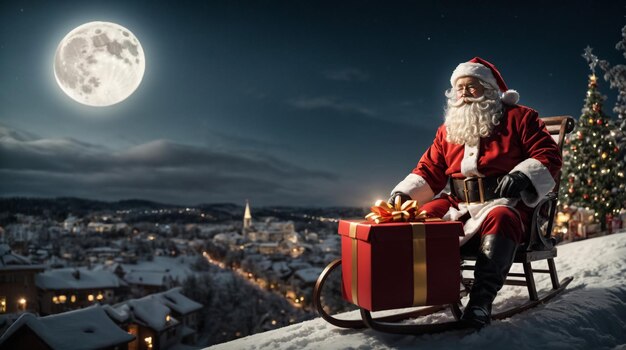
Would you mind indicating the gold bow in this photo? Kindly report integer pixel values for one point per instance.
(398, 212)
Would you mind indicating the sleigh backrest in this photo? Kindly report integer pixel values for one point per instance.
(558, 127)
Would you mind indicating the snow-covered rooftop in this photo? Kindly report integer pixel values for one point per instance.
(176, 301)
(151, 312)
(589, 314)
(309, 275)
(88, 328)
(156, 272)
(147, 278)
(12, 261)
(77, 278)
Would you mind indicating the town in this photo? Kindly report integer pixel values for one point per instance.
(158, 277)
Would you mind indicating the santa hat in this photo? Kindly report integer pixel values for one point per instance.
(487, 72)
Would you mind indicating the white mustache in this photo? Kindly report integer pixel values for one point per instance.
(466, 100)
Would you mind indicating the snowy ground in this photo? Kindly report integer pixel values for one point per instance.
(589, 314)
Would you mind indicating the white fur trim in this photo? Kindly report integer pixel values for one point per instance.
(540, 177)
(477, 70)
(478, 214)
(510, 97)
(469, 164)
(416, 187)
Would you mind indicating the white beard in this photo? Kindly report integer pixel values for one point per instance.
(467, 122)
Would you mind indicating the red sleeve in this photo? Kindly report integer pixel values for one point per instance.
(538, 143)
(432, 166)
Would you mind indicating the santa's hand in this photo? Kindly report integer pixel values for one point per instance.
(511, 185)
(402, 196)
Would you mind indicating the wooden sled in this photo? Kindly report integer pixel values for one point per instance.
(541, 246)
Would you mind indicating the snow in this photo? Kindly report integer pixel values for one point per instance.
(176, 301)
(77, 278)
(12, 261)
(88, 328)
(589, 314)
(151, 312)
(309, 275)
(154, 272)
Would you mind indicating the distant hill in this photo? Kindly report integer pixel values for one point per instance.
(142, 210)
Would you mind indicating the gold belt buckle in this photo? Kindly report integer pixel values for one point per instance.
(480, 189)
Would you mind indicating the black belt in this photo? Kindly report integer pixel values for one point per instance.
(474, 189)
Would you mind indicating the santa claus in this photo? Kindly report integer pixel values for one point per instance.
(499, 161)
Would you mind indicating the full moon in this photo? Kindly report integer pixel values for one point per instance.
(99, 64)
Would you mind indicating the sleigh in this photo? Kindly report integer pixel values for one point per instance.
(540, 247)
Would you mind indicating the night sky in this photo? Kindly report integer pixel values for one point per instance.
(282, 103)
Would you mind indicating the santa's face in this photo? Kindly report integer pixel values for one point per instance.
(472, 111)
(468, 87)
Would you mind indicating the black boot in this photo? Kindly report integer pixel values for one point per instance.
(492, 266)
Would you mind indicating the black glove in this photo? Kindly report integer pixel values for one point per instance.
(511, 185)
(403, 198)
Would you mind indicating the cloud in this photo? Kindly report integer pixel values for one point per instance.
(332, 103)
(160, 170)
(347, 74)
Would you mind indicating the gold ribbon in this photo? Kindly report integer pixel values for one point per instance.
(420, 273)
(398, 212)
(354, 284)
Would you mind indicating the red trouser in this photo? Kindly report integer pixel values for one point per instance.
(500, 220)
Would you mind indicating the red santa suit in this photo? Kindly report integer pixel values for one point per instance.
(520, 142)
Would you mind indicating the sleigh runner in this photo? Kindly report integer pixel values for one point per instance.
(416, 264)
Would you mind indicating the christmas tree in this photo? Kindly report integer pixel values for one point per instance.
(616, 76)
(591, 173)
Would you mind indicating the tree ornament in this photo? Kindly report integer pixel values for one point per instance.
(585, 196)
(596, 107)
(593, 81)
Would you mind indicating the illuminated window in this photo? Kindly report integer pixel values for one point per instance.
(3, 304)
(73, 298)
(168, 318)
(22, 304)
(55, 299)
(100, 296)
(148, 341)
(90, 297)
(62, 299)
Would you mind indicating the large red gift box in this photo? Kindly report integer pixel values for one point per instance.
(398, 265)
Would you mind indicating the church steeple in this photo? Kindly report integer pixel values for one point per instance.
(247, 217)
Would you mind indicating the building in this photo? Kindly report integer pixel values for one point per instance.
(247, 218)
(184, 310)
(88, 328)
(158, 321)
(67, 289)
(18, 292)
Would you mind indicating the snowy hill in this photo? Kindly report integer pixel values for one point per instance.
(589, 314)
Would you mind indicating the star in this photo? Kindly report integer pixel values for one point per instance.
(591, 58)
